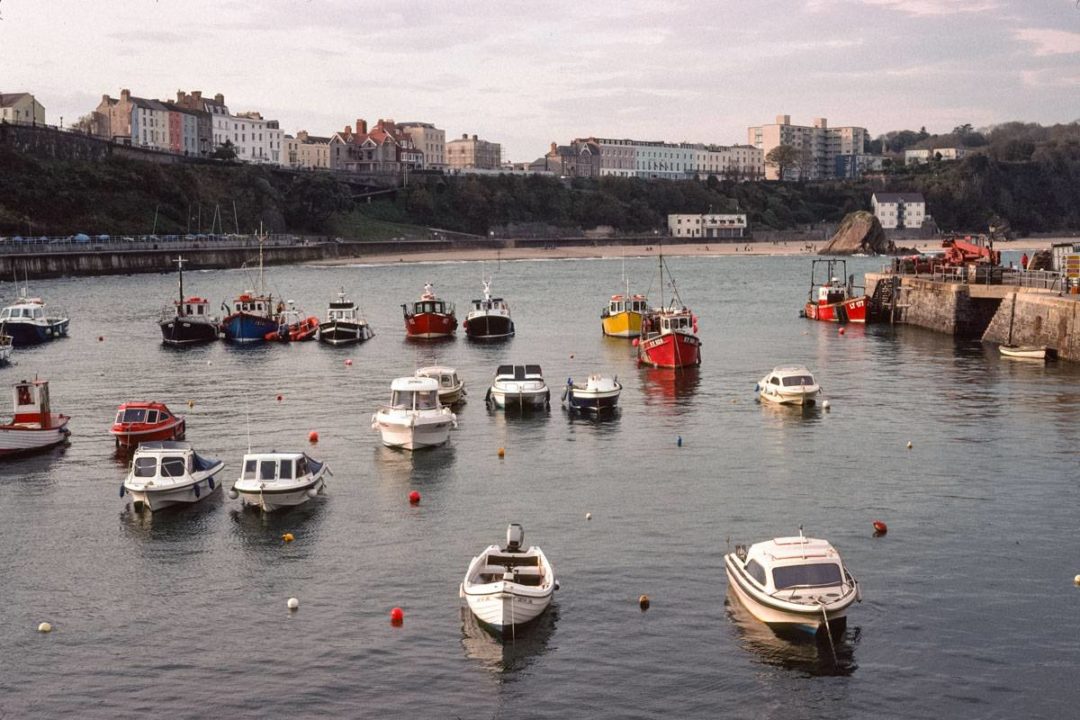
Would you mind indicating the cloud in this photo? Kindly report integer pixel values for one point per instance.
(1041, 79)
(1050, 42)
(933, 8)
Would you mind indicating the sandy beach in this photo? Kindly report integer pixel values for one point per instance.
(670, 249)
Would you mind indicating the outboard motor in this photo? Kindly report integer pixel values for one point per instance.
(515, 536)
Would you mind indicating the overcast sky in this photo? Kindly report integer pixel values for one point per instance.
(525, 73)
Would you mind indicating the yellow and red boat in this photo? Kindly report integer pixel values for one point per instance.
(622, 317)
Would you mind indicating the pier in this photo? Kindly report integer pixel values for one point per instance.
(993, 305)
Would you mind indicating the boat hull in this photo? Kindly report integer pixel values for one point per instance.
(624, 324)
(670, 350)
(505, 608)
(132, 438)
(525, 400)
(28, 333)
(274, 499)
(811, 620)
(488, 327)
(790, 398)
(851, 310)
(16, 440)
(180, 331)
(155, 500)
(593, 402)
(247, 328)
(338, 332)
(430, 325)
(1023, 352)
(412, 437)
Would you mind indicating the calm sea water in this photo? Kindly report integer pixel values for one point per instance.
(969, 606)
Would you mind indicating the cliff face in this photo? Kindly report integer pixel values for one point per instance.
(859, 232)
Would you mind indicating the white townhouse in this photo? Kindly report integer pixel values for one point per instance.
(899, 210)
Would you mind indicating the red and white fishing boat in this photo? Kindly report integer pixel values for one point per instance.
(35, 426)
(139, 421)
(293, 326)
(835, 299)
(669, 333)
(431, 317)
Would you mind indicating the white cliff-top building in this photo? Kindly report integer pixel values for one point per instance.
(899, 210)
(706, 226)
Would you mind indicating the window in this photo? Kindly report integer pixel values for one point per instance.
(172, 466)
(134, 415)
(814, 575)
(756, 571)
(286, 470)
(267, 469)
(793, 380)
(145, 466)
(249, 470)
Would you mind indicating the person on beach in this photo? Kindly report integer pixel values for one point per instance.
(1024, 261)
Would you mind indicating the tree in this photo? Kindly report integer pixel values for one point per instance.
(225, 151)
(783, 158)
(85, 124)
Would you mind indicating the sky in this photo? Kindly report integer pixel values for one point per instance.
(525, 73)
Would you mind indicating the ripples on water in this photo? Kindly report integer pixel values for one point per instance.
(969, 609)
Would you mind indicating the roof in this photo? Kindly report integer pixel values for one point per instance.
(899, 197)
(414, 384)
(273, 456)
(148, 104)
(163, 446)
(791, 370)
(9, 99)
(435, 370)
(791, 548)
(152, 404)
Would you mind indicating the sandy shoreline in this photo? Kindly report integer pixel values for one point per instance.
(597, 251)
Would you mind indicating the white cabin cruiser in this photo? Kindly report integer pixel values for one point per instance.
(414, 418)
(169, 473)
(519, 386)
(791, 385)
(793, 582)
(451, 387)
(276, 480)
(507, 587)
(28, 322)
(598, 394)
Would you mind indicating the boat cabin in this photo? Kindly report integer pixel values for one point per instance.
(433, 306)
(446, 377)
(344, 310)
(31, 399)
(142, 413)
(414, 393)
(193, 307)
(831, 292)
(23, 311)
(519, 373)
(490, 304)
(633, 303)
(268, 467)
(251, 304)
(791, 563)
(165, 460)
(791, 377)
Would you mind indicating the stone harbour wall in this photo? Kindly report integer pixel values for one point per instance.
(1039, 319)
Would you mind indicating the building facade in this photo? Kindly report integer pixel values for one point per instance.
(899, 210)
(580, 158)
(851, 167)
(150, 124)
(382, 149)
(21, 108)
(921, 156)
(471, 153)
(112, 117)
(817, 145)
(309, 152)
(707, 226)
(429, 140)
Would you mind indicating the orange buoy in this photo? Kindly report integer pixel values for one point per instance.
(414, 497)
(313, 437)
(880, 528)
(279, 398)
(502, 452)
(288, 537)
(397, 616)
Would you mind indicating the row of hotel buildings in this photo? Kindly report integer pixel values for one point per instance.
(198, 126)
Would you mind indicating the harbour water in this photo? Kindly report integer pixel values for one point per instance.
(969, 606)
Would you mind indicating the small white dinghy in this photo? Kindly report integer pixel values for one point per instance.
(451, 387)
(598, 394)
(790, 385)
(414, 418)
(276, 480)
(793, 582)
(169, 473)
(1024, 352)
(508, 587)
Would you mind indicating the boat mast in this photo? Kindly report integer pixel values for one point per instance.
(262, 283)
(180, 266)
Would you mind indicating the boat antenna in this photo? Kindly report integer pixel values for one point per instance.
(180, 266)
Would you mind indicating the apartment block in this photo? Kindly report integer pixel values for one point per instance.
(472, 153)
(309, 152)
(818, 146)
(899, 210)
(428, 139)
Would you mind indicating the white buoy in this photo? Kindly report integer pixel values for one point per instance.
(233, 494)
(1075, 580)
(47, 627)
(826, 405)
(908, 444)
(293, 603)
(588, 516)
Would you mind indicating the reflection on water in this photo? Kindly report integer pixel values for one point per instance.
(793, 650)
(176, 522)
(667, 387)
(257, 529)
(509, 655)
(397, 465)
(784, 415)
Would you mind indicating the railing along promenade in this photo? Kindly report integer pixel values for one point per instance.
(138, 243)
(1051, 280)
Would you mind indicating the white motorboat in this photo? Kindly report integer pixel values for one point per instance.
(344, 325)
(793, 582)
(34, 426)
(488, 318)
(1024, 352)
(598, 394)
(791, 385)
(276, 480)
(451, 387)
(28, 322)
(169, 473)
(414, 418)
(507, 587)
(519, 386)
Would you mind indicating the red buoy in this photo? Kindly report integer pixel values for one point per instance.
(414, 497)
(279, 398)
(313, 437)
(348, 362)
(880, 528)
(841, 331)
(397, 616)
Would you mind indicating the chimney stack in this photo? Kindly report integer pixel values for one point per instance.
(361, 127)
(474, 138)
(219, 99)
(554, 147)
(125, 95)
(197, 95)
(783, 119)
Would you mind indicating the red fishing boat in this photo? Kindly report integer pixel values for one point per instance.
(140, 421)
(835, 299)
(35, 426)
(430, 317)
(669, 333)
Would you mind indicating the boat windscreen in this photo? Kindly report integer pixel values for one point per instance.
(533, 370)
(812, 575)
(145, 466)
(267, 469)
(249, 469)
(134, 415)
(172, 466)
(796, 380)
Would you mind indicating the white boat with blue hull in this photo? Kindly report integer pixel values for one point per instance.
(274, 480)
(793, 583)
(29, 322)
(510, 586)
(598, 394)
(168, 473)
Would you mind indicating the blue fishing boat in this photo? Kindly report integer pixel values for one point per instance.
(28, 322)
(251, 316)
